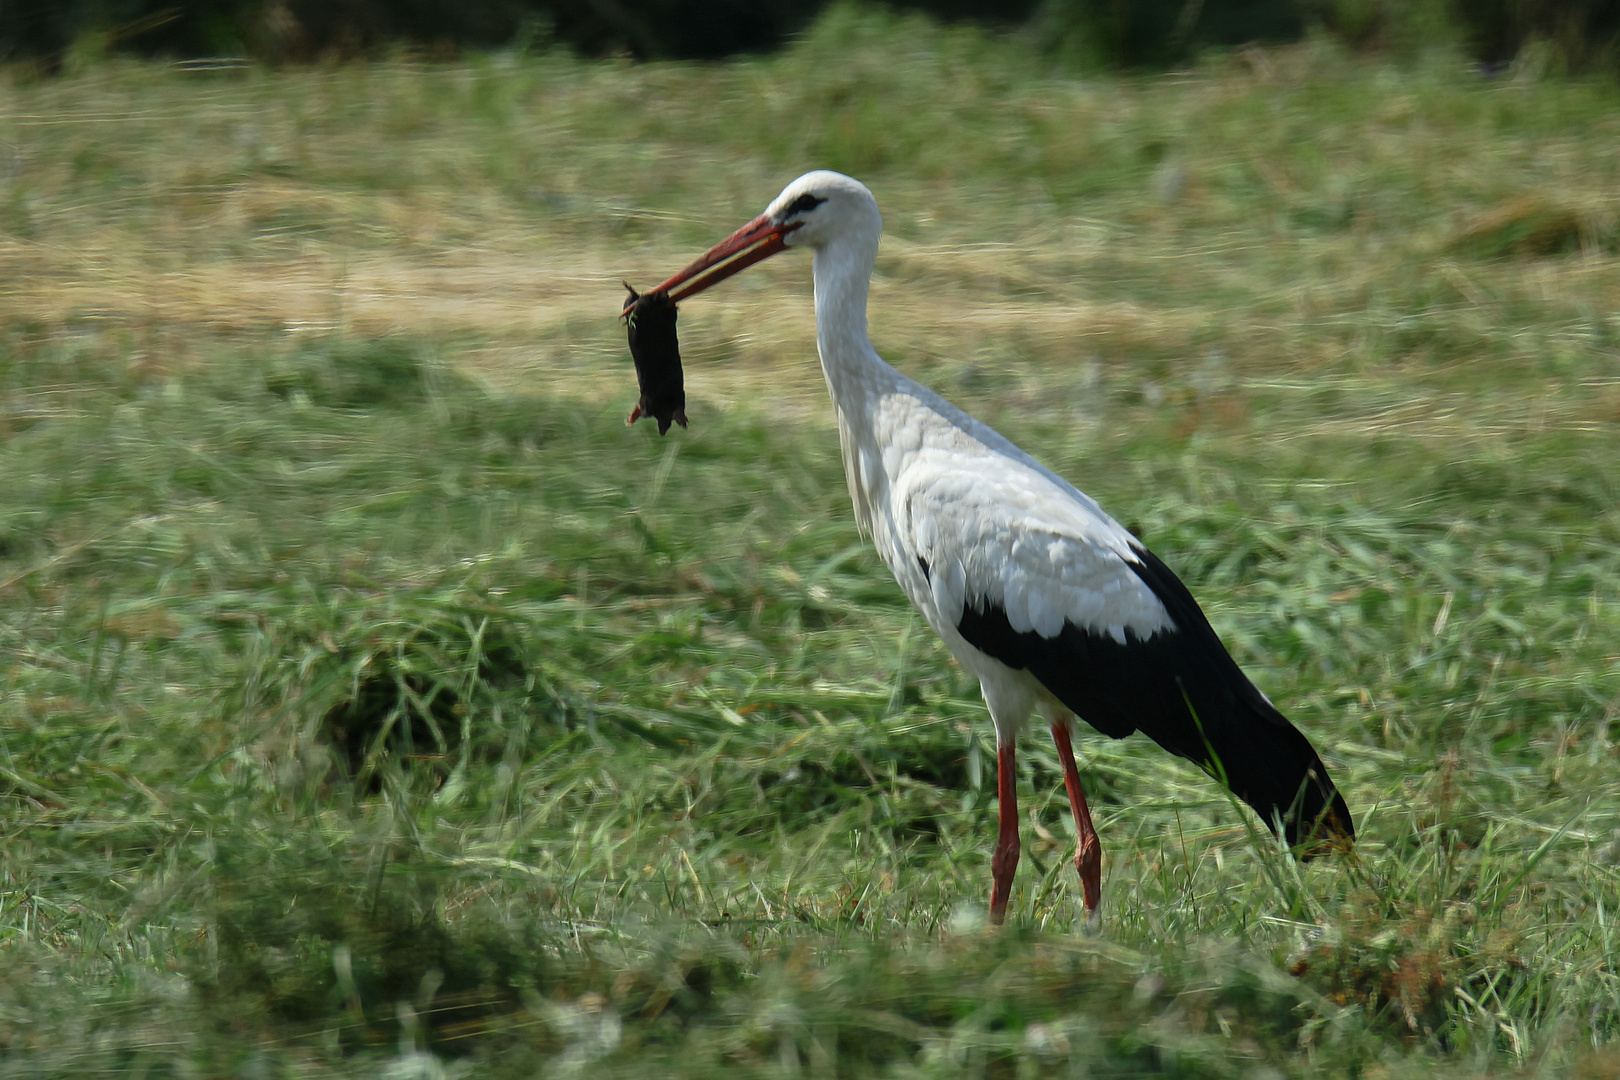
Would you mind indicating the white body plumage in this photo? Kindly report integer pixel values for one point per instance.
(1040, 594)
(932, 485)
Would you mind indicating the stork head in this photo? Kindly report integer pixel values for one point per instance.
(818, 210)
(822, 207)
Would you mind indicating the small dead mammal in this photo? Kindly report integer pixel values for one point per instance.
(657, 353)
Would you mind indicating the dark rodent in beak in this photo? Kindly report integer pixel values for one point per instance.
(650, 320)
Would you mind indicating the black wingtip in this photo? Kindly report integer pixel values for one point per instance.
(1182, 689)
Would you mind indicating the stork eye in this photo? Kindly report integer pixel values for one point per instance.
(805, 203)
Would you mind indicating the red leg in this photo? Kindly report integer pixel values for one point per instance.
(1088, 857)
(1005, 860)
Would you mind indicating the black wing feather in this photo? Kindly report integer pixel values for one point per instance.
(1147, 685)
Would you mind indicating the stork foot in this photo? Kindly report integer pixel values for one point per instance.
(1088, 860)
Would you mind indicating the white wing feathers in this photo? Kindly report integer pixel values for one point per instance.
(994, 529)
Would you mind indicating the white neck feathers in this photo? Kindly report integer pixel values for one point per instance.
(842, 272)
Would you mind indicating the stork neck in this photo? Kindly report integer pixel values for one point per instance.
(842, 274)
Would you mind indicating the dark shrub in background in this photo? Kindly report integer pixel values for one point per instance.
(1579, 34)
(1116, 33)
(303, 30)
(271, 30)
(1582, 34)
(1158, 33)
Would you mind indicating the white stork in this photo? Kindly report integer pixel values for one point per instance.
(1053, 605)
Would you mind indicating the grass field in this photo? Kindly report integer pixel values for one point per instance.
(376, 704)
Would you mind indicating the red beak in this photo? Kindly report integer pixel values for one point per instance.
(757, 240)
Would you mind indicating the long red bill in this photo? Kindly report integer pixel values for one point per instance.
(757, 240)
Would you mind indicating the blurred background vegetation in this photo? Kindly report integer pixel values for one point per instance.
(1574, 34)
(374, 703)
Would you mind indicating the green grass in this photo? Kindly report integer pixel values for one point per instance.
(377, 704)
